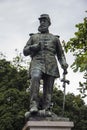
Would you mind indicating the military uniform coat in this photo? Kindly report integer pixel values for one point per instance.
(45, 58)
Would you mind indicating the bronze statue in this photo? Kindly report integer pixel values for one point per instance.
(44, 47)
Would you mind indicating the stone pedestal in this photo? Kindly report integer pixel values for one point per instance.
(48, 125)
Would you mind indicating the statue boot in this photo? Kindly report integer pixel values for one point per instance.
(33, 107)
(47, 103)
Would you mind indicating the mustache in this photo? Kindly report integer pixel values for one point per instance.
(43, 25)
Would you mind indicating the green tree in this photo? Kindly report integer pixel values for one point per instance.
(14, 101)
(78, 45)
(75, 108)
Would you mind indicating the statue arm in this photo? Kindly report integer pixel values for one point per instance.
(60, 55)
(31, 47)
(27, 50)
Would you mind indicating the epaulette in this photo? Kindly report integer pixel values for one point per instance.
(57, 36)
(31, 34)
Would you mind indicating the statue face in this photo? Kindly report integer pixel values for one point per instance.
(44, 25)
(44, 22)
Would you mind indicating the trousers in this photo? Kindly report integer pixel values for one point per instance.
(48, 81)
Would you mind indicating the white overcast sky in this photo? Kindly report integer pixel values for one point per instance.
(18, 18)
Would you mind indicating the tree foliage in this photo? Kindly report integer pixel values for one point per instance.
(14, 100)
(78, 45)
(75, 109)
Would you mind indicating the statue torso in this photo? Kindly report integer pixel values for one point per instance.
(45, 58)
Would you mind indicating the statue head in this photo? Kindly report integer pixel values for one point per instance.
(45, 22)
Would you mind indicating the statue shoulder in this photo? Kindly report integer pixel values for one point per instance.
(34, 34)
(31, 34)
(55, 36)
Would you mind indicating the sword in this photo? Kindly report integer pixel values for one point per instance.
(64, 86)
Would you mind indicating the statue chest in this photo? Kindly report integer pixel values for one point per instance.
(46, 41)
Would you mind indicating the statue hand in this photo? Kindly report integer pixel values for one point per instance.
(35, 47)
(65, 71)
(65, 68)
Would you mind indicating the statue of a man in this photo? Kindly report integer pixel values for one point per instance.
(44, 47)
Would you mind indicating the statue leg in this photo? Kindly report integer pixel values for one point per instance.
(47, 91)
(34, 91)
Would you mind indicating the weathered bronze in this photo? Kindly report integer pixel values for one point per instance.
(44, 47)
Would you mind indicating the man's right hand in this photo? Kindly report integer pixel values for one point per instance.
(65, 71)
(35, 47)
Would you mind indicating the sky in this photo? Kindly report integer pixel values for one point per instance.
(18, 18)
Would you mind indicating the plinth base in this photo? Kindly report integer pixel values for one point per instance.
(48, 125)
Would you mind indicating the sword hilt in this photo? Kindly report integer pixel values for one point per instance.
(65, 81)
